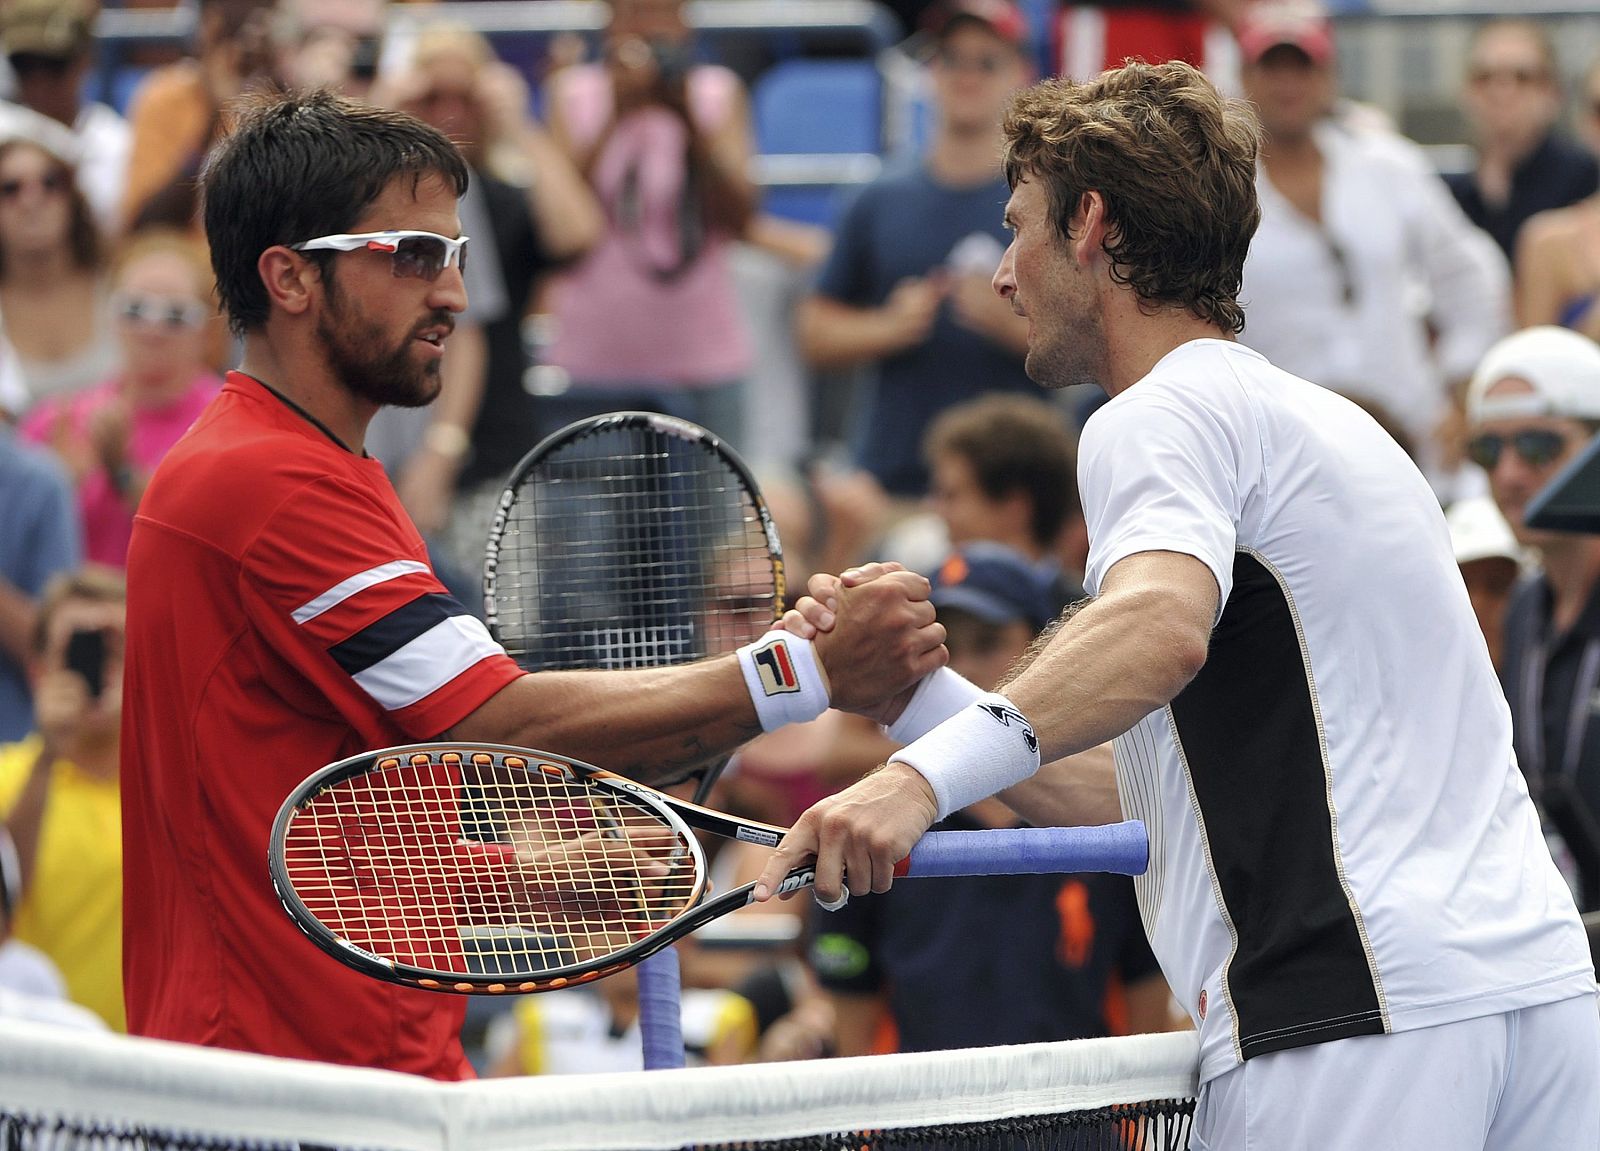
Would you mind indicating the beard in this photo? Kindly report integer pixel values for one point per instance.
(356, 349)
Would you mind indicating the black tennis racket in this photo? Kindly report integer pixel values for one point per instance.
(633, 540)
(480, 869)
(630, 540)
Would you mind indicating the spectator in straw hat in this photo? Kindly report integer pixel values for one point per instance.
(50, 47)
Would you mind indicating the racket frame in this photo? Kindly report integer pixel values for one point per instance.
(613, 421)
(683, 817)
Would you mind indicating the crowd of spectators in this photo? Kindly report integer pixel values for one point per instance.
(612, 211)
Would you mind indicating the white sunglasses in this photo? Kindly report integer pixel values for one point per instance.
(420, 255)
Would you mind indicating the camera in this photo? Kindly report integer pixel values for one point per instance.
(86, 655)
(673, 61)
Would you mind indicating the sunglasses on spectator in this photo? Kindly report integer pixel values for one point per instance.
(1521, 77)
(50, 183)
(34, 64)
(413, 255)
(1536, 448)
(160, 312)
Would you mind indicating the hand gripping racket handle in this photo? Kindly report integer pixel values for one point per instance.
(1117, 847)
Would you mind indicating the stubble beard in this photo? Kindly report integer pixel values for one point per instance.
(353, 345)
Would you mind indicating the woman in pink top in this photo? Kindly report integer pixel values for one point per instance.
(650, 317)
(112, 436)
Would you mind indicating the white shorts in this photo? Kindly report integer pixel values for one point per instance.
(1527, 1080)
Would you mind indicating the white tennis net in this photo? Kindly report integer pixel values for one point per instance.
(64, 1091)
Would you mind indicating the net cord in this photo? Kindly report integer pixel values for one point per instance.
(244, 1099)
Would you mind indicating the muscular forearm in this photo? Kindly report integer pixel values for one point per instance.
(651, 724)
(1121, 657)
(1079, 791)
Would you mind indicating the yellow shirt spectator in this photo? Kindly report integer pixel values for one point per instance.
(72, 909)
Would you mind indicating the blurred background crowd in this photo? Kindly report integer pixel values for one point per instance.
(779, 218)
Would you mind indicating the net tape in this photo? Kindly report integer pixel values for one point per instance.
(63, 1090)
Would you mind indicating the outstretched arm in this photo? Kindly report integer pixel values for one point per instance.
(1123, 656)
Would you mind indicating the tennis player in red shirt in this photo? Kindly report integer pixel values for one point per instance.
(282, 613)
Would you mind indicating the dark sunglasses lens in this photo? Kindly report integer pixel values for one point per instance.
(1538, 448)
(1534, 448)
(421, 257)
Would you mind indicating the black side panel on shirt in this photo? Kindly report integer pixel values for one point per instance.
(1247, 728)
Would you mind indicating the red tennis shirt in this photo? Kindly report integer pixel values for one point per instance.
(282, 615)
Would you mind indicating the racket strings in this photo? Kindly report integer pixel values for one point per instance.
(506, 872)
(632, 547)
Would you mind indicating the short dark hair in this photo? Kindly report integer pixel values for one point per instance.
(1014, 443)
(296, 165)
(1175, 162)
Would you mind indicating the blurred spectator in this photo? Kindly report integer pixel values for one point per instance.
(176, 112)
(1364, 275)
(30, 986)
(1490, 560)
(1512, 97)
(1005, 469)
(50, 46)
(39, 538)
(1089, 38)
(52, 288)
(59, 794)
(649, 318)
(1533, 404)
(112, 436)
(977, 961)
(485, 419)
(332, 43)
(906, 288)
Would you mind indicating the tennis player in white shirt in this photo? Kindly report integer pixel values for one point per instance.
(1348, 888)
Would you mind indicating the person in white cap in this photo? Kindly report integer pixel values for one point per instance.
(1533, 404)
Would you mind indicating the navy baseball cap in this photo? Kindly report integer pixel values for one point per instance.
(995, 583)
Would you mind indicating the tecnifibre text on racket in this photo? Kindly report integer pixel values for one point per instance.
(482, 869)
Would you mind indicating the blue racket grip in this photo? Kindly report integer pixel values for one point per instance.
(1119, 847)
(660, 1010)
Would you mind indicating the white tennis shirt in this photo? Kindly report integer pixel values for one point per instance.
(1341, 842)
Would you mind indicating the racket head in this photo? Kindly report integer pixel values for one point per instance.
(482, 869)
(630, 540)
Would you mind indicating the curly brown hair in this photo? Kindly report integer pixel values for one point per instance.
(1175, 162)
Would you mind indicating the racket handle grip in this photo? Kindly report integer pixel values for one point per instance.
(660, 1010)
(1116, 847)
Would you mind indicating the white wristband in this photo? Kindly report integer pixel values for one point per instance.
(939, 695)
(980, 750)
(785, 683)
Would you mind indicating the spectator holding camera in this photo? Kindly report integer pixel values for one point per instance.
(665, 143)
(59, 794)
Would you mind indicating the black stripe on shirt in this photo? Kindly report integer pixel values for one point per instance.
(1248, 729)
(383, 637)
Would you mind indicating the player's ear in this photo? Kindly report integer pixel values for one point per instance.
(289, 278)
(1090, 226)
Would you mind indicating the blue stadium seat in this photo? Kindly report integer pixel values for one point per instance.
(816, 107)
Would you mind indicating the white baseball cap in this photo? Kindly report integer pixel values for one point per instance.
(1479, 532)
(1562, 366)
